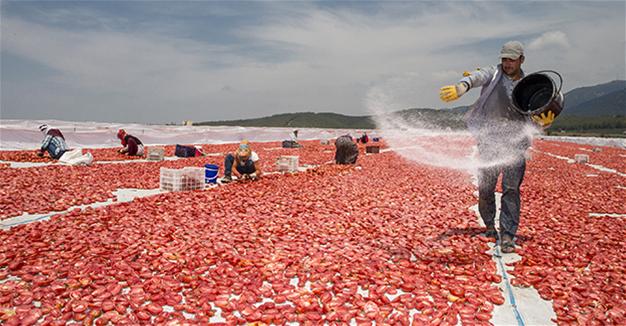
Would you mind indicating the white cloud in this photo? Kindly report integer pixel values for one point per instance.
(330, 59)
(547, 39)
(108, 61)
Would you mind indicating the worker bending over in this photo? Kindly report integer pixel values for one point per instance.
(346, 151)
(132, 145)
(53, 142)
(246, 162)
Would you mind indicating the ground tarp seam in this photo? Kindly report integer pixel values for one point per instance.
(120, 195)
(505, 316)
(595, 166)
(505, 276)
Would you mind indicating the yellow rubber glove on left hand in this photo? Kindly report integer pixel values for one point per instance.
(545, 119)
(452, 92)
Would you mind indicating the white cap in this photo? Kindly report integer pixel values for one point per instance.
(512, 50)
(43, 128)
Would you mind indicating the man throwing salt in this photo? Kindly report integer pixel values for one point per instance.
(502, 136)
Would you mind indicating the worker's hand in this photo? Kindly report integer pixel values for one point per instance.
(545, 119)
(452, 92)
(467, 73)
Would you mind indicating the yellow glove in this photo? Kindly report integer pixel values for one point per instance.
(545, 119)
(467, 73)
(452, 92)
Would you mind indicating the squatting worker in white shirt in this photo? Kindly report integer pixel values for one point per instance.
(246, 163)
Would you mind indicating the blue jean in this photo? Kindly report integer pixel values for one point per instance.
(512, 176)
(52, 149)
(246, 168)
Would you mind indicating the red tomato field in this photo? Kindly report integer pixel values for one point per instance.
(386, 241)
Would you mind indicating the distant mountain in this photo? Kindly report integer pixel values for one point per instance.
(581, 95)
(301, 120)
(598, 110)
(445, 118)
(451, 118)
(610, 104)
(599, 107)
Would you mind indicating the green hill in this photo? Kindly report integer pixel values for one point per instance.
(436, 118)
(578, 96)
(599, 109)
(611, 104)
(301, 120)
(447, 118)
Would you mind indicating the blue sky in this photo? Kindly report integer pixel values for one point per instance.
(157, 61)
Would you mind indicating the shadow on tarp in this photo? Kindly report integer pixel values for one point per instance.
(475, 231)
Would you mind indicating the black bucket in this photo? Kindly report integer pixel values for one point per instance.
(537, 93)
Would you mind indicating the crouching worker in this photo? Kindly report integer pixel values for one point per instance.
(364, 138)
(346, 151)
(132, 145)
(293, 142)
(53, 143)
(246, 163)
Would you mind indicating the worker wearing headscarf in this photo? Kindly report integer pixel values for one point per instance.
(132, 145)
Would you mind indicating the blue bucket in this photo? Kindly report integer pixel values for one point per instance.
(210, 173)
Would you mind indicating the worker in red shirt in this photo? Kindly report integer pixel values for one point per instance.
(364, 138)
(132, 145)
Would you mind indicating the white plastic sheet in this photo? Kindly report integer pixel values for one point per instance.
(76, 157)
(24, 134)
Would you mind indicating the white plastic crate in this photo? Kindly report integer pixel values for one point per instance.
(287, 164)
(187, 178)
(155, 153)
(581, 158)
